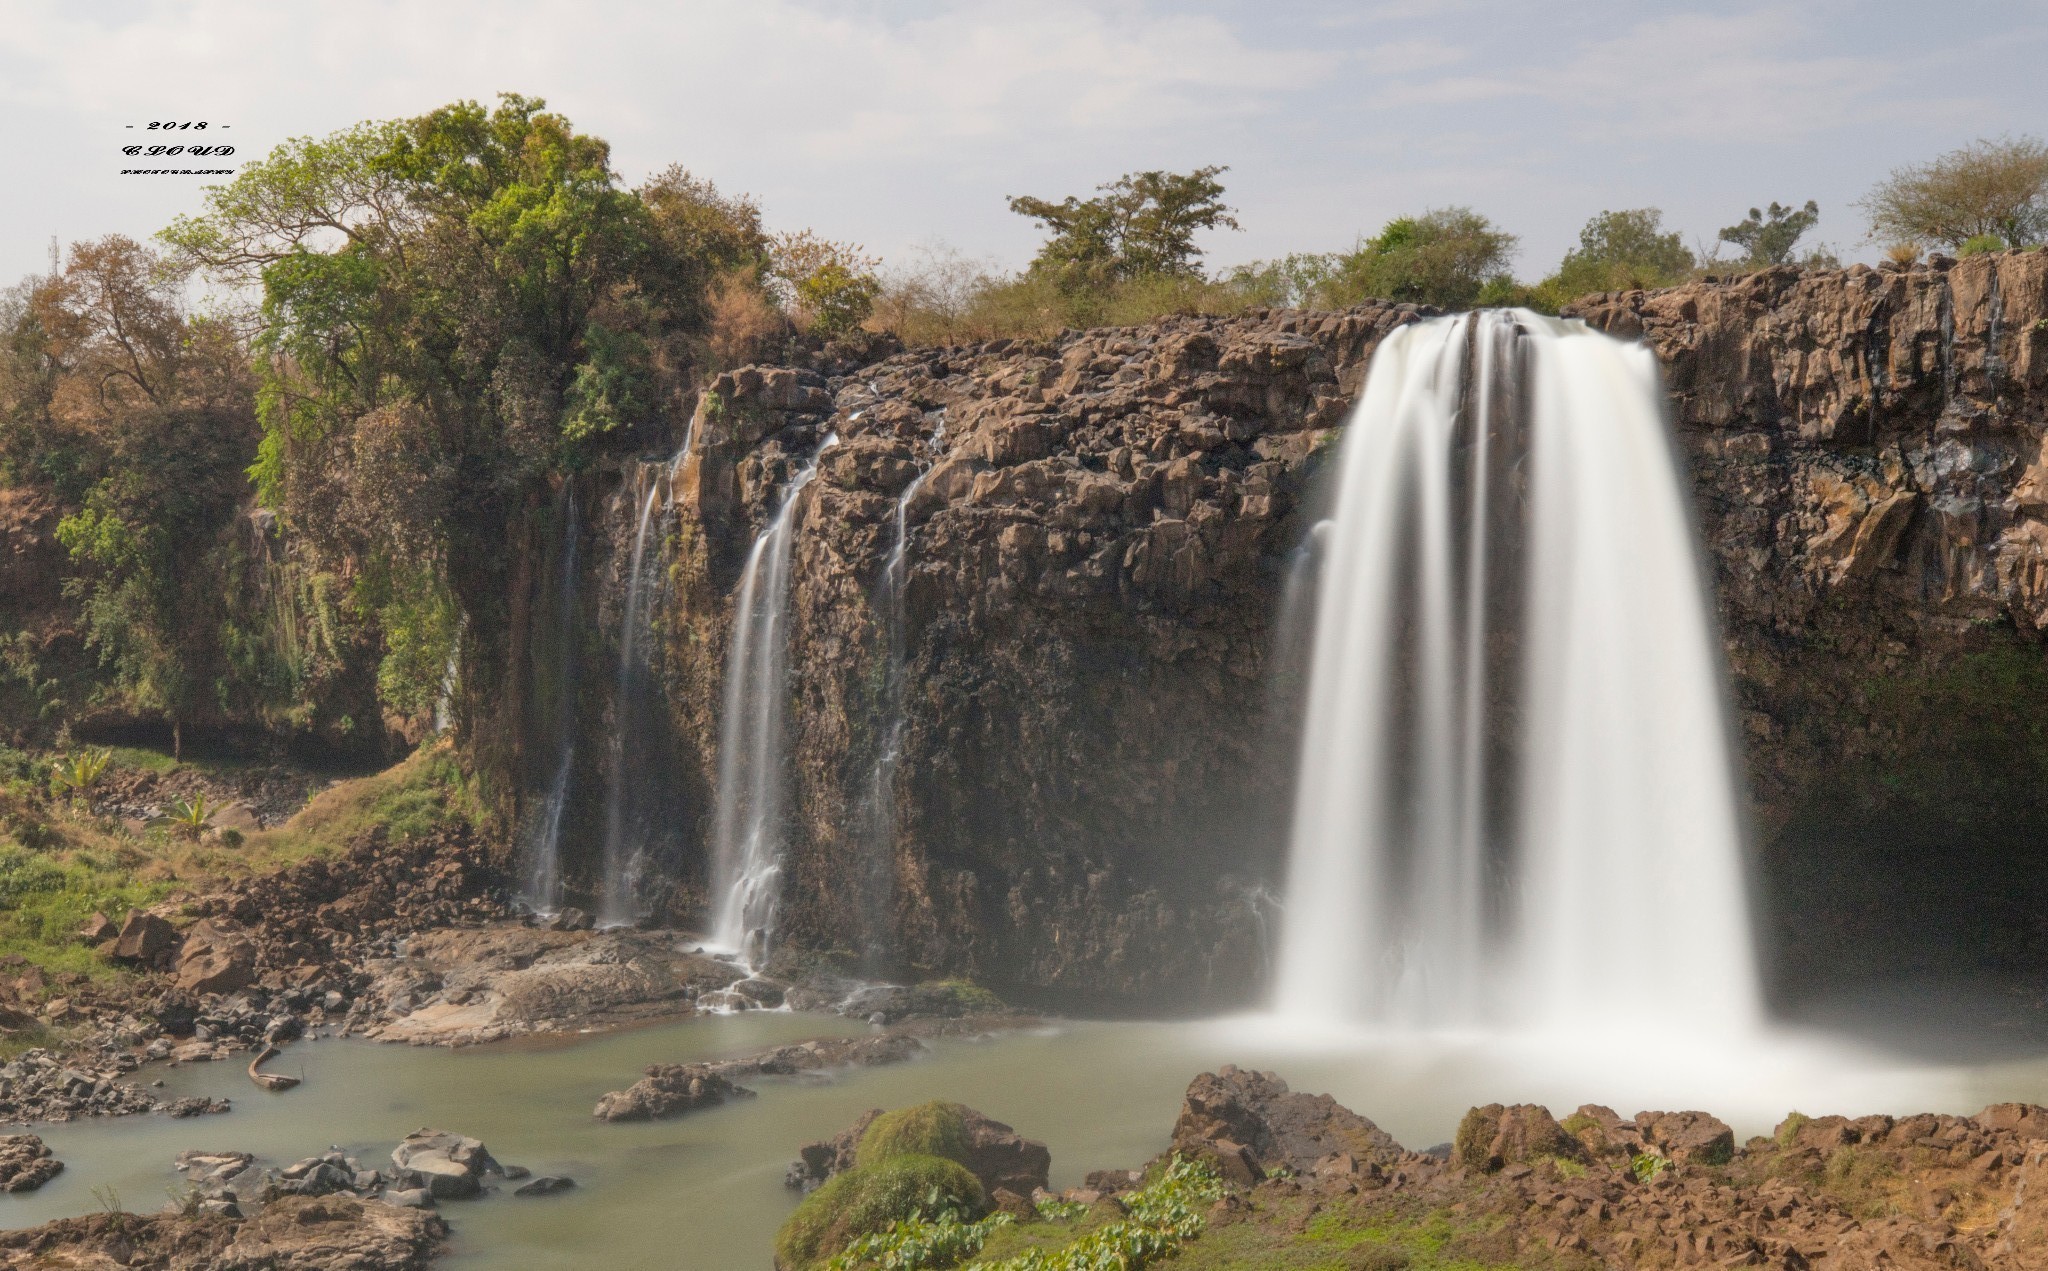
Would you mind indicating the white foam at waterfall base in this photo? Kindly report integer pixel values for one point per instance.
(746, 883)
(1608, 893)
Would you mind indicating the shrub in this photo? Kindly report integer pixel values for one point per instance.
(1446, 256)
(937, 1128)
(870, 1198)
(1981, 244)
(1162, 1217)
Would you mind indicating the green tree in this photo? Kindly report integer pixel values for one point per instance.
(137, 418)
(1996, 188)
(1619, 251)
(827, 287)
(1446, 256)
(453, 307)
(1142, 224)
(1767, 237)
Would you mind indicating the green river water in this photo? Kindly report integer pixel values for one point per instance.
(704, 1192)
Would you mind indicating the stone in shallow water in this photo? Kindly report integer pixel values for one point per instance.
(26, 1163)
(545, 1185)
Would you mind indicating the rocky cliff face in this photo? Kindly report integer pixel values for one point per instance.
(1868, 448)
(1091, 795)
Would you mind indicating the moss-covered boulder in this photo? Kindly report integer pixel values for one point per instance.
(937, 1128)
(869, 1197)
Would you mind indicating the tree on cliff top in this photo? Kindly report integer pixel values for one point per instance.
(1768, 237)
(1448, 256)
(1985, 189)
(1142, 224)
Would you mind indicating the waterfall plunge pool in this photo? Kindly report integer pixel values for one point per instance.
(703, 1192)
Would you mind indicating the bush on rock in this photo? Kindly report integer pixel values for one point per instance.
(868, 1198)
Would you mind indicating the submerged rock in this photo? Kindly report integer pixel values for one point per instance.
(668, 1089)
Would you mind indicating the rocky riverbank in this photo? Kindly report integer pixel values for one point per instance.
(1298, 1180)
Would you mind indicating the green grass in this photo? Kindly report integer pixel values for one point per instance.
(45, 898)
(59, 864)
(143, 759)
(421, 793)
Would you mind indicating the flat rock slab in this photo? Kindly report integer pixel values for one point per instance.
(463, 986)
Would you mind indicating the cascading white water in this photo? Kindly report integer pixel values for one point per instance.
(544, 833)
(747, 865)
(1512, 543)
(618, 902)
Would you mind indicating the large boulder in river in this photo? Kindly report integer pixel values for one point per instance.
(999, 1158)
(451, 1166)
(668, 1089)
(1249, 1124)
(215, 958)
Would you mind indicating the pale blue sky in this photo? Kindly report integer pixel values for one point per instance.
(894, 123)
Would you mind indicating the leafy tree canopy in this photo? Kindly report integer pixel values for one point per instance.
(1142, 224)
(1767, 237)
(1446, 256)
(1988, 188)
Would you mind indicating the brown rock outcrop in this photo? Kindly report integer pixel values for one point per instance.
(145, 938)
(26, 1163)
(214, 958)
(1251, 1124)
(327, 1233)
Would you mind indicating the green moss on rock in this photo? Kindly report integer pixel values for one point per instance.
(937, 1128)
(867, 1199)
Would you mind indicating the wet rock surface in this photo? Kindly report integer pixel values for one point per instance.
(670, 1089)
(461, 986)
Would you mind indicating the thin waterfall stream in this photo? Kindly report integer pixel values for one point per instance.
(1515, 747)
(749, 826)
(881, 805)
(617, 901)
(543, 884)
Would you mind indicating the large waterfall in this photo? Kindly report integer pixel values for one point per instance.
(746, 883)
(1516, 803)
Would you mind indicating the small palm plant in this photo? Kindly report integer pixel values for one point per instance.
(190, 817)
(77, 773)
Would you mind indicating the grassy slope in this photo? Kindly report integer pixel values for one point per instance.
(59, 864)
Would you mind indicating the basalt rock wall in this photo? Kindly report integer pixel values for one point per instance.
(1091, 795)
